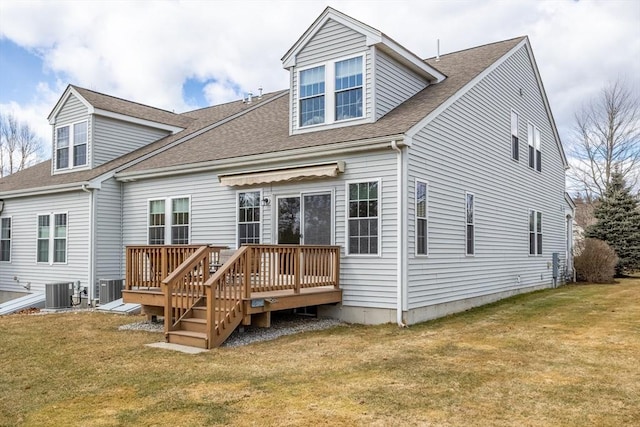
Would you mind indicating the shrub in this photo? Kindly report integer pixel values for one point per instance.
(596, 261)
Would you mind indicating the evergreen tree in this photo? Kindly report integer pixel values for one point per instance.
(618, 223)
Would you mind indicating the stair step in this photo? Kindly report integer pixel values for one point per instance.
(199, 312)
(190, 338)
(194, 324)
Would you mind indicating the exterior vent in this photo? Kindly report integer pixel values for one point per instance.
(58, 295)
(110, 290)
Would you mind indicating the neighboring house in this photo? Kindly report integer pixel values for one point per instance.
(442, 180)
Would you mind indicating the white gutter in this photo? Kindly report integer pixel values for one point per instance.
(60, 188)
(400, 227)
(261, 159)
(91, 244)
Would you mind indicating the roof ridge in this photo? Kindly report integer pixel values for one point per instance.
(124, 100)
(275, 93)
(475, 47)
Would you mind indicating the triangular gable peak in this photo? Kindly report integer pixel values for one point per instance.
(373, 37)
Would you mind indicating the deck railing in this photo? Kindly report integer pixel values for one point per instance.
(148, 265)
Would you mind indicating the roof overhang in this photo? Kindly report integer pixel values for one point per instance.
(300, 173)
(373, 38)
(50, 189)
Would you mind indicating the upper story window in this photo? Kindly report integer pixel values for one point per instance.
(515, 142)
(312, 96)
(535, 156)
(331, 92)
(71, 146)
(349, 88)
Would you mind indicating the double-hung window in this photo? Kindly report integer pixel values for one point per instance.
(363, 218)
(52, 238)
(248, 217)
(535, 156)
(348, 88)
(5, 239)
(312, 96)
(535, 232)
(515, 143)
(71, 145)
(470, 224)
(421, 218)
(169, 217)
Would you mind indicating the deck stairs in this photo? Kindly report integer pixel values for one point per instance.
(191, 329)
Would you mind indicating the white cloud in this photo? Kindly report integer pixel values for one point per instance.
(144, 51)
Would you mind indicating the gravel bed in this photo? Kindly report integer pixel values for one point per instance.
(281, 324)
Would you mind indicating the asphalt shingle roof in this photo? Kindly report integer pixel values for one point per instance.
(264, 128)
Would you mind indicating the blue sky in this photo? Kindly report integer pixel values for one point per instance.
(182, 55)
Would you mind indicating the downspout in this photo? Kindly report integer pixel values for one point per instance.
(90, 280)
(400, 241)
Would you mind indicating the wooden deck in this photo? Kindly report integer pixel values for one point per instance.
(201, 307)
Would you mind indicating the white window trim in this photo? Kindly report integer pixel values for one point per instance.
(346, 213)
(416, 218)
(52, 228)
(330, 92)
(517, 134)
(168, 217)
(466, 224)
(535, 233)
(237, 222)
(10, 218)
(531, 142)
(71, 167)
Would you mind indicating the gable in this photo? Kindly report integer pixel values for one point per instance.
(332, 41)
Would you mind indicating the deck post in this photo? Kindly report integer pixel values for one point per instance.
(336, 269)
(211, 323)
(297, 270)
(248, 261)
(164, 261)
(168, 321)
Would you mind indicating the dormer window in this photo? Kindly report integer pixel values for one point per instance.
(331, 92)
(312, 96)
(349, 89)
(74, 142)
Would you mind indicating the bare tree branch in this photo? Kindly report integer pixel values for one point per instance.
(19, 145)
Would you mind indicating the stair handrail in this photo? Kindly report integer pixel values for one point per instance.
(225, 290)
(180, 292)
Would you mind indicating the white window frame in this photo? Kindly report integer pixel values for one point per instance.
(347, 245)
(330, 92)
(71, 165)
(534, 141)
(168, 218)
(10, 239)
(516, 135)
(237, 219)
(418, 218)
(467, 224)
(538, 235)
(52, 238)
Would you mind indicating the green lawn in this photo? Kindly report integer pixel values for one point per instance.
(567, 356)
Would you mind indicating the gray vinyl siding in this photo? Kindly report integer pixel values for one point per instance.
(468, 148)
(24, 212)
(367, 281)
(108, 232)
(114, 138)
(333, 41)
(73, 111)
(394, 84)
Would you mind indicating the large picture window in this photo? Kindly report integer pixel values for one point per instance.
(421, 218)
(535, 232)
(312, 96)
(169, 217)
(52, 238)
(363, 218)
(248, 217)
(5, 239)
(348, 88)
(470, 224)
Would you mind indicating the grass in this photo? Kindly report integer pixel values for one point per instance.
(568, 356)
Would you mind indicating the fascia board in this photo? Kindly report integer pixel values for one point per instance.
(52, 189)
